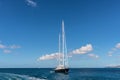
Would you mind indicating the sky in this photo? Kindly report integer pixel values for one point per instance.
(29, 31)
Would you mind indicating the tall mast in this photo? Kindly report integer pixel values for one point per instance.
(59, 50)
(66, 56)
(63, 42)
(65, 48)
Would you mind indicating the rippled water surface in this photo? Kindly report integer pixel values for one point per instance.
(48, 74)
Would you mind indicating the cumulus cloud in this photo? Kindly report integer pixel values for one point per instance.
(2, 46)
(50, 56)
(7, 51)
(31, 3)
(93, 55)
(83, 49)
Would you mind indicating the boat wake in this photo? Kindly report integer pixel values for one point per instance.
(10, 76)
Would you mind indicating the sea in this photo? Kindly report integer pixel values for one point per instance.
(49, 74)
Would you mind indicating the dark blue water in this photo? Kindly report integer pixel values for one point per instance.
(48, 74)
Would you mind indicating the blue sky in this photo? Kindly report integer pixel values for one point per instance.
(29, 29)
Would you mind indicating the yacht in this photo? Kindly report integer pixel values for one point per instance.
(62, 57)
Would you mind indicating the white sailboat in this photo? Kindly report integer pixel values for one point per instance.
(63, 58)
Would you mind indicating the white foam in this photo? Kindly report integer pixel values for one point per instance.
(33, 78)
(10, 76)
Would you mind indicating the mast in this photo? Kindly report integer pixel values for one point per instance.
(66, 56)
(63, 42)
(65, 50)
(59, 50)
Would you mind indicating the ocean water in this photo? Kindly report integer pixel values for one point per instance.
(49, 74)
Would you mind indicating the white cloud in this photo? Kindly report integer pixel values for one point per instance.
(93, 55)
(115, 48)
(52, 56)
(7, 48)
(110, 53)
(118, 46)
(14, 47)
(7, 51)
(2, 46)
(49, 56)
(83, 49)
(31, 3)
(113, 65)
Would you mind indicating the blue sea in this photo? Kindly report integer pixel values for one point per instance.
(49, 74)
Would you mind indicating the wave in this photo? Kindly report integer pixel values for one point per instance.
(11, 76)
